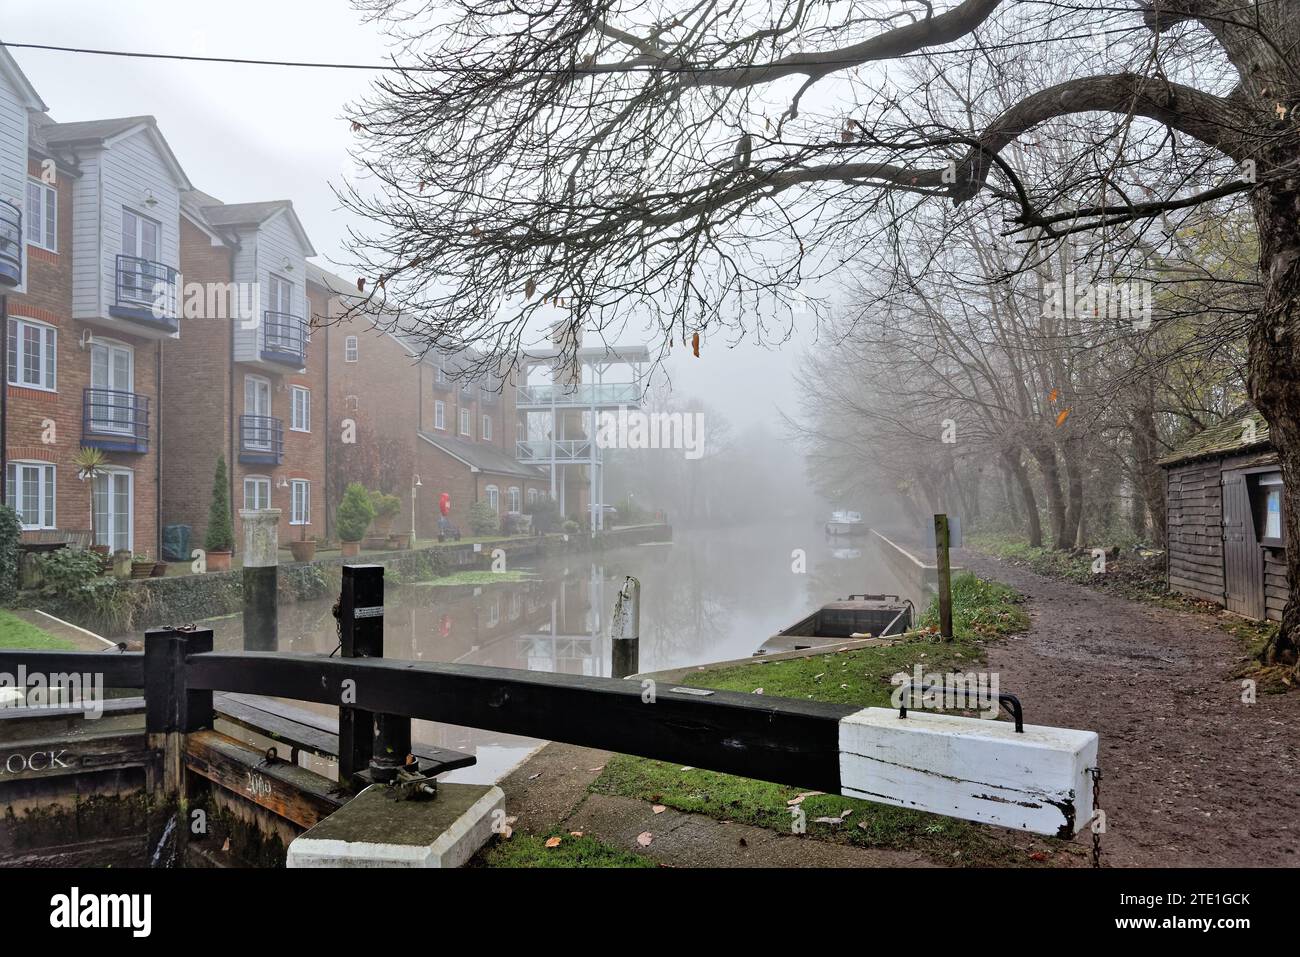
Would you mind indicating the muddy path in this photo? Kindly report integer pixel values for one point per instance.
(1192, 775)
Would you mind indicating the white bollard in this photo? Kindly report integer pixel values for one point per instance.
(976, 769)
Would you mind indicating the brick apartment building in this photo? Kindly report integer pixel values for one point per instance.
(165, 327)
(245, 378)
(98, 203)
(434, 425)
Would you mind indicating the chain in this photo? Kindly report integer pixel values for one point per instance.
(1096, 809)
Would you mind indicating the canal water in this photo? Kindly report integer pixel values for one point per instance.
(710, 595)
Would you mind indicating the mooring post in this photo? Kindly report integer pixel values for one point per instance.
(361, 635)
(625, 630)
(945, 575)
(261, 578)
(171, 708)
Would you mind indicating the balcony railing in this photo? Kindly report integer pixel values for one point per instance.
(11, 244)
(284, 338)
(114, 421)
(145, 291)
(585, 393)
(566, 450)
(261, 440)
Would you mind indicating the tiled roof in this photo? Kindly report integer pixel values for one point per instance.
(1243, 430)
(484, 457)
(90, 131)
(243, 214)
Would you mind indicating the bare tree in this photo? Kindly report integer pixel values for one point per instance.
(697, 161)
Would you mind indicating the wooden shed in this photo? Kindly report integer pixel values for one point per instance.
(1227, 539)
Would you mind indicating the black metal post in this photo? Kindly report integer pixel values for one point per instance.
(361, 635)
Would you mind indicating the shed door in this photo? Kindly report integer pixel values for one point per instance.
(1243, 560)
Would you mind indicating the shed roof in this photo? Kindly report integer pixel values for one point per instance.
(1241, 431)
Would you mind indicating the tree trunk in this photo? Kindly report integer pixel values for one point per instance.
(1021, 474)
(1072, 454)
(1045, 456)
(1274, 381)
(1149, 479)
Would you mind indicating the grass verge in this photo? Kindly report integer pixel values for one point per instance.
(530, 850)
(475, 578)
(982, 611)
(16, 633)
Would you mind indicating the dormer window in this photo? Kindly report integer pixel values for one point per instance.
(42, 215)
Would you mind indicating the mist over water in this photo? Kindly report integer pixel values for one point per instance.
(713, 594)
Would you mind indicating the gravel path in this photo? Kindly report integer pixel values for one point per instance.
(1192, 775)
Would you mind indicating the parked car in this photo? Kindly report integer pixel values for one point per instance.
(447, 531)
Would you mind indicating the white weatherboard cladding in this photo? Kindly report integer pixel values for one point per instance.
(122, 175)
(13, 154)
(970, 768)
(264, 251)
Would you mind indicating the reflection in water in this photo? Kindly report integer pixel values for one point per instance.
(709, 596)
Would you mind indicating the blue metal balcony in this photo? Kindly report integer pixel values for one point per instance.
(114, 421)
(261, 440)
(11, 244)
(145, 292)
(284, 339)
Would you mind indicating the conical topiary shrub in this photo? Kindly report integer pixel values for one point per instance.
(220, 539)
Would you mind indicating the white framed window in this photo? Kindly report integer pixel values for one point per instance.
(513, 498)
(300, 409)
(299, 502)
(113, 502)
(31, 493)
(33, 349)
(493, 496)
(257, 491)
(487, 428)
(464, 422)
(494, 613)
(532, 496)
(42, 215)
(440, 376)
(521, 432)
(350, 350)
(439, 414)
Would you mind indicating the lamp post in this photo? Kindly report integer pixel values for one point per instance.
(414, 485)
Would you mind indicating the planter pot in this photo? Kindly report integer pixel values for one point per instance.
(303, 551)
(380, 527)
(375, 542)
(141, 569)
(219, 561)
(159, 570)
(350, 549)
(399, 540)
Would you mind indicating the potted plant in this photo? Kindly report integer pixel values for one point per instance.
(219, 542)
(386, 508)
(141, 566)
(354, 516)
(92, 463)
(304, 549)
